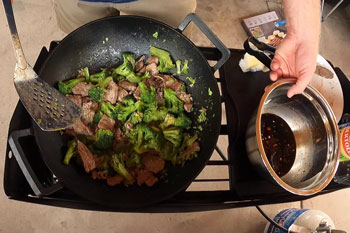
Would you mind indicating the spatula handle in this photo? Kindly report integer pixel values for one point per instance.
(21, 61)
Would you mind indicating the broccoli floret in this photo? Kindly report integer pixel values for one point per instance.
(117, 78)
(87, 74)
(97, 117)
(129, 57)
(144, 138)
(96, 78)
(118, 165)
(104, 139)
(154, 114)
(124, 69)
(109, 109)
(185, 67)
(96, 94)
(136, 78)
(188, 141)
(178, 66)
(136, 117)
(165, 62)
(148, 96)
(173, 103)
(174, 135)
(67, 86)
(124, 111)
(71, 151)
(183, 122)
(155, 35)
(134, 161)
(104, 82)
(203, 115)
(128, 101)
(169, 151)
(191, 80)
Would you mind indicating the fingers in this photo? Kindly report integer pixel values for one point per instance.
(298, 87)
(276, 72)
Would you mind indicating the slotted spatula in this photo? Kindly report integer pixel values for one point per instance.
(50, 109)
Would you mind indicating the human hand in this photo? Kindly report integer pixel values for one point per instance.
(295, 59)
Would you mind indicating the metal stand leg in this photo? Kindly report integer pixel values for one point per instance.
(331, 11)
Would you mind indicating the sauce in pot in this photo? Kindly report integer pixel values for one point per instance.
(279, 143)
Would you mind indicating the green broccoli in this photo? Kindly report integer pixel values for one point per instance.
(118, 165)
(148, 96)
(96, 94)
(209, 92)
(185, 67)
(178, 66)
(155, 35)
(173, 103)
(144, 138)
(87, 74)
(136, 117)
(129, 100)
(134, 161)
(97, 117)
(203, 115)
(174, 135)
(187, 141)
(154, 114)
(96, 78)
(169, 151)
(124, 69)
(104, 82)
(72, 150)
(109, 109)
(165, 62)
(123, 112)
(191, 80)
(129, 57)
(67, 86)
(104, 139)
(136, 78)
(182, 121)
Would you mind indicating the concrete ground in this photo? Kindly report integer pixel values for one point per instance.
(37, 27)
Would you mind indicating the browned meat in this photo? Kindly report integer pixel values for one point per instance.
(152, 69)
(119, 139)
(193, 148)
(99, 160)
(121, 94)
(82, 89)
(86, 156)
(164, 77)
(186, 98)
(152, 59)
(128, 127)
(146, 177)
(174, 85)
(106, 123)
(112, 93)
(99, 175)
(127, 85)
(137, 93)
(87, 113)
(94, 105)
(139, 65)
(188, 107)
(153, 163)
(154, 82)
(71, 132)
(143, 70)
(77, 99)
(160, 96)
(114, 180)
(80, 128)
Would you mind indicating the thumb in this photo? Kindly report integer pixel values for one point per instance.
(300, 85)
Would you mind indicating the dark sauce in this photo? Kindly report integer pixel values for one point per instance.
(279, 143)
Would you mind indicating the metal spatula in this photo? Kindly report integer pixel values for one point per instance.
(50, 109)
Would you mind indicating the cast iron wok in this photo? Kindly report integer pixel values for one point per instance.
(100, 44)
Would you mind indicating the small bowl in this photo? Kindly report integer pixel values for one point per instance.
(314, 128)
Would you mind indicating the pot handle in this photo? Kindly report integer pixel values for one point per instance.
(38, 188)
(262, 51)
(225, 52)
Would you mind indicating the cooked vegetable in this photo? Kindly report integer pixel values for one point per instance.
(191, 80)
(165, 62)
(155, 35)
(209, 92)
(133, 127)
(203, 115)
(67, 86)
(71, 151)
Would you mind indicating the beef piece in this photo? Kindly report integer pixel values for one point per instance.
(164, 77)
(127, 85)
(86, 156)
(143, 70)
(323, 72)
(77, 99)
(174, 85)
(140, 64)
(114, 180)
(80, 128)
(99, 160)
(152, 59)
(137, 93)
(154, 82)
(71, 132)
(153, 163)
(82, 89)
(193, 148)
(188, 107)
(146, 177)
(106, 123)
(128, 127)
(93, 105)
(112, 92)
(87, 113)
(120, 139)
(160, 96)
(152, 69)
(99, 175)
(121, 94)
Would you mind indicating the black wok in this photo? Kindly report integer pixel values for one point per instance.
(100, 44)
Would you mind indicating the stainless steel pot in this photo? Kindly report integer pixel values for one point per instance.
(315, 131)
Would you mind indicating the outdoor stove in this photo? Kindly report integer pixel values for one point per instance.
(241, 94)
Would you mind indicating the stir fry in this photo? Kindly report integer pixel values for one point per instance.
(134, 120)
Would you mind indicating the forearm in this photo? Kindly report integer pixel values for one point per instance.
(303, 19)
